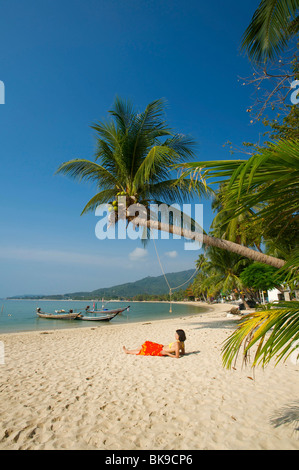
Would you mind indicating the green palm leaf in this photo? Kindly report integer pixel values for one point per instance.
(268, 181)
(274, 332)
(89, 171)
(272, 25)
(103, 197)
(157, 161)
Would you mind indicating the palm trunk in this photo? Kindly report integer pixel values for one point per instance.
(211, 241)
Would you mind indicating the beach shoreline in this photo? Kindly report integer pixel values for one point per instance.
(76, 389)
(208, 309)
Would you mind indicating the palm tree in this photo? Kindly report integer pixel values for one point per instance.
(268, 182)
(222, 271)
(273, 24)
(132, 160)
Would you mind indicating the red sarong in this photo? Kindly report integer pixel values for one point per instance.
(151, 349)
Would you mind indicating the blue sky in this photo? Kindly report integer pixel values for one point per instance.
(62, 63)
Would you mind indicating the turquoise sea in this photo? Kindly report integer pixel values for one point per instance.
(20, 315)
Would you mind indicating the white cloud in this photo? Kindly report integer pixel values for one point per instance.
(138, 254)
(171, 254)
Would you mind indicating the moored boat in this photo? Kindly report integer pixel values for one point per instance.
(57, 316)
(102, 315)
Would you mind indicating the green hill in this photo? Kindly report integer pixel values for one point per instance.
(146, 286)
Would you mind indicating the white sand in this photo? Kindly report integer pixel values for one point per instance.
(76, 389)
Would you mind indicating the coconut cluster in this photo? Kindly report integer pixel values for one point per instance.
(118, 207)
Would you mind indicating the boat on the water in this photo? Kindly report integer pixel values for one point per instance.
(97, 315)
(58, 316)
(94, 309)
(102, 315)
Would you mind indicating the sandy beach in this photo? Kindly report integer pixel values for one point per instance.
(76, 389)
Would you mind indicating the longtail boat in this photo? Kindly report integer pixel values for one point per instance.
(57, 316)
(102, 315)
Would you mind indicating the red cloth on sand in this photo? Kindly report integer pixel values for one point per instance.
(151, 349)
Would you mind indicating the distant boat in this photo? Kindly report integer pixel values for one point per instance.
(57, 316)
(95, 308)
(103, 315)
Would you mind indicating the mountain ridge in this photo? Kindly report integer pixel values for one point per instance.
(150, 285)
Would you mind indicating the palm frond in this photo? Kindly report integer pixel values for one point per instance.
(274, 332)
(155, 164)
(147, 127)
(102, 197)
(124, 114)
(110, 143)
(291, 268)
(89, 171)
(270, 178)
(109, 133)
(270, 29)
(183, 145)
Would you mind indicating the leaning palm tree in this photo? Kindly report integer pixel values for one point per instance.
(273, 24)
(135, 156)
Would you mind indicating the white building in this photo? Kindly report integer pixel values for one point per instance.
(275, 294)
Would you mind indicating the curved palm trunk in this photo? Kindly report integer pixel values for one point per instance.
(211, 241)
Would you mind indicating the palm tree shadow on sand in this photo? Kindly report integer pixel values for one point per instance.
(288, 415)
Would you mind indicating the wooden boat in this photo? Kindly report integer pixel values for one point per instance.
(102, 315)
(57, 316)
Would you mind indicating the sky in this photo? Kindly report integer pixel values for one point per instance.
(62, 64)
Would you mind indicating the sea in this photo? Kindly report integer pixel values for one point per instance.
(20, 315)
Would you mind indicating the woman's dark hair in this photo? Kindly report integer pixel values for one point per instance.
(182, 336)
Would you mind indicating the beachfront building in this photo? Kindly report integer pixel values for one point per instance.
(275, 294)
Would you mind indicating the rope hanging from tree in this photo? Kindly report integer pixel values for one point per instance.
(165, 277)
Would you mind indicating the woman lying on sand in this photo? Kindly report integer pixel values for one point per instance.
(154, 349)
